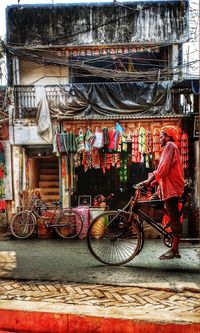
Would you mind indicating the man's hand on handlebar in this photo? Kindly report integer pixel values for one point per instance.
(145, 183)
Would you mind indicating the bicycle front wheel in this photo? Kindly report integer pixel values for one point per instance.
(69, 224)
(23, 225)
(112, 239)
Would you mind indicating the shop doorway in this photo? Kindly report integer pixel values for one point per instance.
(44, 176)
(116, 181)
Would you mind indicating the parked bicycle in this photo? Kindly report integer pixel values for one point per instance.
(116, 237)
(66, 222)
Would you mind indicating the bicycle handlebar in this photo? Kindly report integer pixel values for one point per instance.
(138, 186)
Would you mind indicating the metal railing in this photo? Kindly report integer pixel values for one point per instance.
(26, 103)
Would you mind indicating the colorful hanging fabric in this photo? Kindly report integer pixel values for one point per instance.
(95, 158)
(55, 145)
(88, 140)
(156, 144)
(80, 142)
(149, 148)
(108, 161)
(71, 142)
(98, 139)
(123, 173)
(142, 143)
(123, 142)
(111, 134)
(136, 155)
(184, 150)
(60, 142)
(117, 160)
(118, 143)
(178, 142)
(106, 139)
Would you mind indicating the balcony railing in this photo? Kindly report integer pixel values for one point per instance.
(26, 102)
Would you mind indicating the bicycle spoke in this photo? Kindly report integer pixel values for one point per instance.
(112, 239)
(70, 222)
(22, 225)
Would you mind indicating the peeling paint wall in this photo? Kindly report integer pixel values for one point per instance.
(92, 24)
(26, 133)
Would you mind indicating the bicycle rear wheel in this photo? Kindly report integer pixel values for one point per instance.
(23, 225)
(113, 240)
(69, 224)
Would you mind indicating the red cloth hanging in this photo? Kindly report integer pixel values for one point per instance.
(2, 205)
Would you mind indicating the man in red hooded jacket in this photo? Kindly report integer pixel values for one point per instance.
(170, 177)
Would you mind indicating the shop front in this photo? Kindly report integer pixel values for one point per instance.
(101, 160)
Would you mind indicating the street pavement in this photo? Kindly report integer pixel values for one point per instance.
(71, 261)
(61, 276)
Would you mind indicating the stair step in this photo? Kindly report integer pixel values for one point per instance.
(49, 171)
(49, 177)
(49, 165)
(49, 190)
(50, 197)
(48, 183)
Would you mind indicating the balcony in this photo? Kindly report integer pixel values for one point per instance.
(25, 99)
(58, 97)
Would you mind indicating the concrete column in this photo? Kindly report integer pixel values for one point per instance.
(175, 61)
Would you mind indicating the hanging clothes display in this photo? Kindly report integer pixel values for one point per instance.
(89, 137)
(156, 144)
(105, 147)
(135, 148)
(98, 139)
(184, 150)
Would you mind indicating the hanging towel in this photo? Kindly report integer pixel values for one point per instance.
(43, 114)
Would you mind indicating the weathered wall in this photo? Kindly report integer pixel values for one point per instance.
(92, 24)
(26, 133)
(31, 73)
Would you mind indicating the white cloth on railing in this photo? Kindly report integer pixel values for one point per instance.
(43, 114)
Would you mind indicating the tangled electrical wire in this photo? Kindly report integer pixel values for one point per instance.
(116, 75)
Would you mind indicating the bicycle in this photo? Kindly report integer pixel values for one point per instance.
(116, 237)
(63, 221)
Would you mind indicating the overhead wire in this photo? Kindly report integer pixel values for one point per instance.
(101, 72)
(92, 69)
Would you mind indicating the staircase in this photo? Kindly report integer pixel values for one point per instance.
(49, 180)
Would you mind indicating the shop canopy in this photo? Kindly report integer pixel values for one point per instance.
(111, 99)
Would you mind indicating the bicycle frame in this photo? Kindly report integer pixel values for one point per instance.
(135, 208)
(115, 237)
(34, 211)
